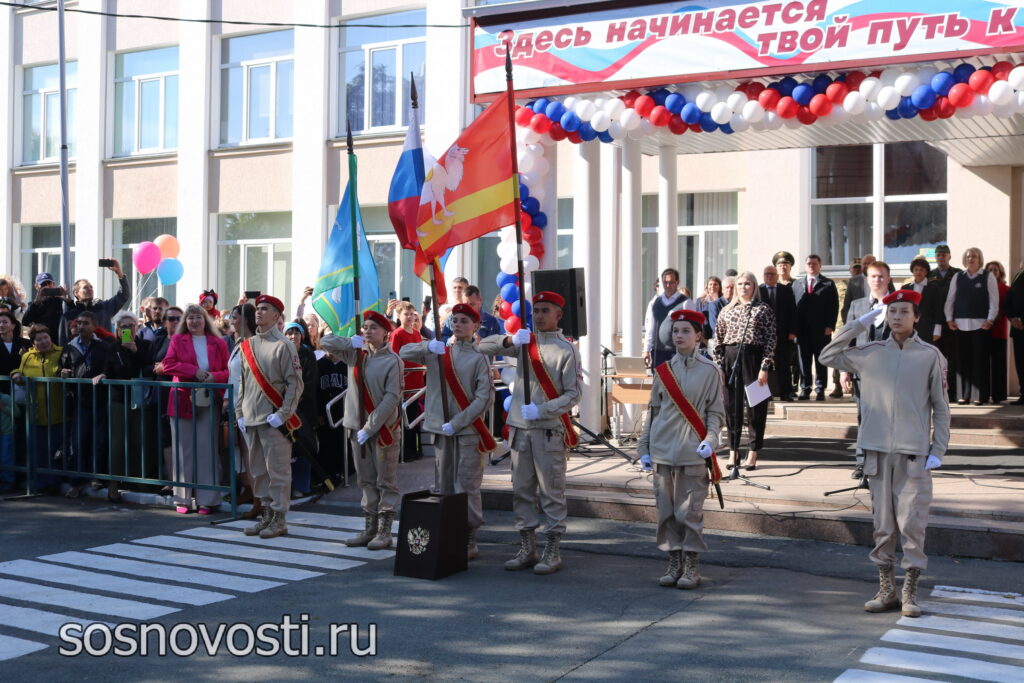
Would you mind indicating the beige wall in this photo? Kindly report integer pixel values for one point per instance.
(377, 161)
(37, 197)
(141, 189)
(135, 34)
(251, 181)
(36, 37)
(980, 211)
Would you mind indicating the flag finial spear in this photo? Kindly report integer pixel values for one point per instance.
(348, 137)
(413, 94)
(508, 60)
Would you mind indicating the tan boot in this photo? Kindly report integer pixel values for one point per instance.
(527, 555)
(255, 511)
(261, 523)
(675, 568)
(551, 560)
(886, 598)
(383, 538)
(276, 527)
(910, 608)
(472, 551)
(369, 531)
(691, 571)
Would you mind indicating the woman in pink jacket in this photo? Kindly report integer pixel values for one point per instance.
(196, 354)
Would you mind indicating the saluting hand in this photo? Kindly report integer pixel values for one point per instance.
(357, 341)
(436, 346)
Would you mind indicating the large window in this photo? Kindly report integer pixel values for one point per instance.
(254, 251)
(41, 252)
(127, 234)
(390, 54)
(257, 83)
(146, 101)
(40, 121)
(899, 186)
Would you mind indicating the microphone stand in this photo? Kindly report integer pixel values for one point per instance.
(738, 391)
(605, 352)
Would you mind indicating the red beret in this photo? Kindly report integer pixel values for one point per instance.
(549, 298)
(272, 300)
(208, 293)
(380, 319)
(687, 314)
(466, 309)
(908, 295)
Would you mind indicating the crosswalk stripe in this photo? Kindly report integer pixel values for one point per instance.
(11, 647)
(1010, 595)
(306, 531)
(965, 626)
(941, 664)
(262, 554)
(39, 571)
(40, 621)
(288, 543)
(864, 676)
(162, 572)
(961, 610)
(79, 600)
(142, 552)
(978, 596)
(332, 521)
(955, 643)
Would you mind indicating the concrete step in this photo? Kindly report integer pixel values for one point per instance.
(959, 420)
(1001, 438)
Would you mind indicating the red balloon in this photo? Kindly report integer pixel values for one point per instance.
(695, 127)
(754, 89)
(525, 222)
(1000, 70)
(837, 91)
(943, 107)
(980, 81)
(928, 114)
(505, 309)
(512, 323)
(574, 138)
(806, 116)
(533, 234)
(537, 250)
(875, 74)
(820, 104)
(787, 107)
(961, 95)
(630, 98)
(769, 98)
(854, 79)
(660, 116)
(644, 104)
(540, 123)
(556, 132)
(523, 116)
(677, 125)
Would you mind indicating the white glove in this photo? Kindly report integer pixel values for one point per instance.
(704, 450)
(448, 429)
(357, 341)
(645, 462)
(362, 437)
(521, 337)
(933, 462)
(436, 346)
(241, 424)
(274, 420)
(530, 411)
(868, 319)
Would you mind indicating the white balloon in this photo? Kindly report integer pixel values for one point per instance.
(529, 179)
(854, 102)
(722, 92)
(793, 123)
(539, 193)
(526, 162)
(888, 97)
(614, 107)
(981, 106)
(600, 121)
(926, 73)
(600, 102)
(906, 82)
(1016, 77)
(570, 103)
(691, 91)
(531, 136)
(508, 375)
(889, 75)
(1001, 93)
(616, 130)
(705, 100)
(636, 133)
(839, 115)
(738, 123)
(535, 150)
(736, 101)
(541, 166)
(630, 119)
(530, 263)
(547, 140)
(772, 121)
(721, 113)
(1019, 102)
(753, 111)
(648, 128)
(506, 250)
(869, 87)
(585, 109)
(509, 266)
(874, 111)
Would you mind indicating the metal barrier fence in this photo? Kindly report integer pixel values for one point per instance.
(56, 430)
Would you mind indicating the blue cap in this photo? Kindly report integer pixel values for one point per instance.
(43, 277)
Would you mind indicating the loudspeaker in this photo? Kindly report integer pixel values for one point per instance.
(569, 283)
(432, 535)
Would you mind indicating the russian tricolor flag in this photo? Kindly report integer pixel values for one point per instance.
(407, 186)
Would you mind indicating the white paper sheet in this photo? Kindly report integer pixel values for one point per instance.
(757, 393)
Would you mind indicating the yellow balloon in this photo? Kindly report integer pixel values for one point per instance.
(169, 247)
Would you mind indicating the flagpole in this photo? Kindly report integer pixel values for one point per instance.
(524, 359)
(360, 362)
(65, 222)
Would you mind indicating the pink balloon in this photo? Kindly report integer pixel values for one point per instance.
(146, 257)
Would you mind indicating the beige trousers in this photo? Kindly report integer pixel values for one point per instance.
(270, 455)
(901, 492)
(538, 477)
(377, 473)
(469, 471)
(680, 493)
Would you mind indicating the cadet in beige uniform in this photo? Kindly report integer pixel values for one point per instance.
(678, 455)
(376, 442)
(463, 437)
(540, 432)
(270, 452)
(904, 431)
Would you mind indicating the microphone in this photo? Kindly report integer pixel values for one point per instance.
(606, 351)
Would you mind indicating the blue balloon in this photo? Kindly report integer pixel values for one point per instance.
(726, 128)
(675, 102)
(893, 114)
(690, 113)
(660, 95)
(507, 403)
(841, 78)
(775, 85)
(962, 73)
(985, 68)
(923, 96)
(554, 110)
(586, 132)
(506, 279)
(942, 82)
(803, 94)
(605, 136)
(518, 305)
(524, 191)
(906, 108)
(786, 85)
(821, 83)
(531, 205)
(707, 124)
(540, 219)
(510, 293)
(169, 271)
(540, 105)
(569, 121)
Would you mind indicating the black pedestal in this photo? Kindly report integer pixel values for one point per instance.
(432, 535)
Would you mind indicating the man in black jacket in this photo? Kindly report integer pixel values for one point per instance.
(940, 277)
(928, 327)
(47, 309)
(1015, 312)
(780, 298)
(103, 309)
(817, 308)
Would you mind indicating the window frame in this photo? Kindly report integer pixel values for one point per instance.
(137, 82)
(71, 91)
(38, 253)
(247, 66)
(137, 277)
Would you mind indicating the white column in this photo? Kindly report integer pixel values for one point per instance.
(311, 110)
(668, 209)
(611, 182)
(586, 249)
(91, 240)
(8, 241)
(630, 270)
(196, 81)
(550, 207)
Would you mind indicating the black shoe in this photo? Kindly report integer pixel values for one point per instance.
(858, 472)
(978, 403)
(788, 398)
(961, 401)
(820, 396)
(1018, 402)
(804, 397)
